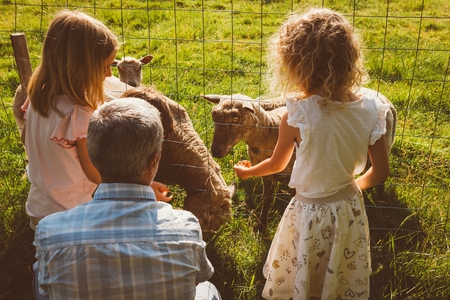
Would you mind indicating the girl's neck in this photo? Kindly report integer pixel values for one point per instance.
(354, 97)
(351, 97)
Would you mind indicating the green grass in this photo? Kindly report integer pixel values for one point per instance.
(203, 47)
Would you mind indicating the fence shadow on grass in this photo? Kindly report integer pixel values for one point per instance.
(393, 229)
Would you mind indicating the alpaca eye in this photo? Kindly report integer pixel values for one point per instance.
(235, 119)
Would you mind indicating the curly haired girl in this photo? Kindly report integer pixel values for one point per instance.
(321, 248)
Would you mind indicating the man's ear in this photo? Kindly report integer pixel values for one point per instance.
(151, 169)
(154, 163)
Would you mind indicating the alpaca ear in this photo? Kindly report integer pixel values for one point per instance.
(115, 63)
(146, 59)
(212, 98)
(248, 105)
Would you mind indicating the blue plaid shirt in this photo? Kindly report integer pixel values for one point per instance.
(121, 245)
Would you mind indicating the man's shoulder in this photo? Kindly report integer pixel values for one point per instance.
(59, 223)
(74, 212)
(180, 213)
(170, 217)
(87, 223)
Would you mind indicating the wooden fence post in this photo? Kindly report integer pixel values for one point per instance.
(19, 45)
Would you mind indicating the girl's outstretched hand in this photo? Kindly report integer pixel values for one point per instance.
(161, 191)
(241, 169)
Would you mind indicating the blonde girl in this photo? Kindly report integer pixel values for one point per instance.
(321, 248)
(64, 91)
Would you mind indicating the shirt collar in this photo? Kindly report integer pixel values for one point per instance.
(124, 191)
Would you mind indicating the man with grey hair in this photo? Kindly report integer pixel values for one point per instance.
(123, 244)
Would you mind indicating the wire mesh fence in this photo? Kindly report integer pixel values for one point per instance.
(218, 47)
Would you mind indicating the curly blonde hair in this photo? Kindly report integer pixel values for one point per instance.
(316, 53)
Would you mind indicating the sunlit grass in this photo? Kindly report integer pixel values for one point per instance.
(206, 47)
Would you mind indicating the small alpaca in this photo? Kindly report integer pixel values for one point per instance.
(130, 69)
(240, 118)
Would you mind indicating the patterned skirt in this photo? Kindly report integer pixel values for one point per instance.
(321, 249)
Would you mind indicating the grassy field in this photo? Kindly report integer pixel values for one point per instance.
(203, 47)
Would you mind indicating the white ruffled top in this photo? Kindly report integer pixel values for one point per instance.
(334, 141)
(58, 181)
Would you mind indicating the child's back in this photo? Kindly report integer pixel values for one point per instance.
(334, 141)
(322, 247)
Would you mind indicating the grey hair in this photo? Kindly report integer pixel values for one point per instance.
(123, 135)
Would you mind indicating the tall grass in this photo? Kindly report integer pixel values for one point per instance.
(203, 47)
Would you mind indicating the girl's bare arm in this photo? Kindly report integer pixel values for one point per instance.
(91, 172)
(380, 165)
(281, 156)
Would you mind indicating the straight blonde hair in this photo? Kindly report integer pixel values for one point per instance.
(72, 63)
